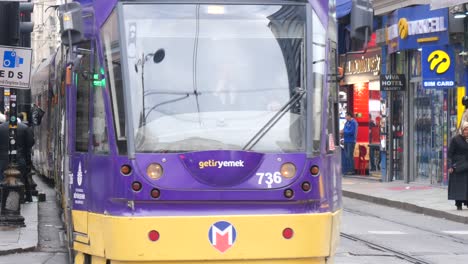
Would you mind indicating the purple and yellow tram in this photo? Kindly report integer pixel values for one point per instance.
(195, 131)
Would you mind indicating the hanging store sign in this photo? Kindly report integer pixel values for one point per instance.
(15, 67)
(392, 82)
(438, 67)
(361, 67)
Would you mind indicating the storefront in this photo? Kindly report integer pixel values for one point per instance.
(360, 95)
(423, 116)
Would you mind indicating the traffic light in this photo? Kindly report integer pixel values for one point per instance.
(25, 24)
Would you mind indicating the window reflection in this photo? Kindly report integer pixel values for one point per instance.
(227, 71)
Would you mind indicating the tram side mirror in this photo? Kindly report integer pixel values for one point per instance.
(158, 57)
(362, 17)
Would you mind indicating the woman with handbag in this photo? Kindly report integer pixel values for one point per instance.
(458, 157)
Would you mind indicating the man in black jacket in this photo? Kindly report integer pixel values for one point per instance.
(24, 143)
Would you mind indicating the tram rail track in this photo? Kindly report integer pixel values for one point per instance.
(396, 253)
(440, 234)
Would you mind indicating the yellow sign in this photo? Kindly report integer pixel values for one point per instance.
(439, 60)
(403, 28)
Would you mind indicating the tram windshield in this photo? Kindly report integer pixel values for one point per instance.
(216, 77)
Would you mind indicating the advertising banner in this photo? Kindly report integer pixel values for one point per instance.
(392, 82)
(15, 67)
(413, 27)
(438, 67)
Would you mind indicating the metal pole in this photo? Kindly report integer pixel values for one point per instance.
(390, 153)
(12, 189)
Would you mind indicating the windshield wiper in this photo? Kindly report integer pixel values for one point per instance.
(186, 95)
(298, 94)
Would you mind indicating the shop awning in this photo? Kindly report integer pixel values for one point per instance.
(343, 8)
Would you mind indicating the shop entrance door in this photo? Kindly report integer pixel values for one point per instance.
(435, 122)
(428, 134)
(396, 101)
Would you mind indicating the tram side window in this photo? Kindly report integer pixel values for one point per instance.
(332, 98)
(82, 100)
(319, 58)
(100, 139)
(110, 45)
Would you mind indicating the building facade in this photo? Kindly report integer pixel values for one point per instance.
(418, 87)
(421, 43)
(45, 38)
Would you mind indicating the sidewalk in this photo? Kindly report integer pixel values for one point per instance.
(414, 197)
(13, 240)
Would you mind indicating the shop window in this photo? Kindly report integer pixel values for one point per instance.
(332, 111)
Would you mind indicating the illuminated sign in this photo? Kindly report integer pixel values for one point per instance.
(438, 67)
(406, 28)
(409, 28)
(370, 63)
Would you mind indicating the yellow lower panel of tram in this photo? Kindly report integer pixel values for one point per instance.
(202, 239)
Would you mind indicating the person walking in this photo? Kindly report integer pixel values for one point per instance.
(24, 143)
(2, 117)
(350, 134)
(458, 168)
(465, 113)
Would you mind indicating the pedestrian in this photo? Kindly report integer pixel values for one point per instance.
(465, 114)
(458, 168)
(350, 134)
(374, 143)
(2, 117)
(24, 143)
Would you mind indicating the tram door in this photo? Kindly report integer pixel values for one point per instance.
(397, 121)
(100, 162)
(79, 126)
(397, 132)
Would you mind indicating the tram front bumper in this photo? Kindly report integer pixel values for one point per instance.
(213, 239)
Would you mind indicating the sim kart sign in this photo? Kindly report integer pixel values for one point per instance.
(438, 67)
(15, 67)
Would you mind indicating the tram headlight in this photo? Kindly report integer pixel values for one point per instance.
(288, 170)
(154, 171)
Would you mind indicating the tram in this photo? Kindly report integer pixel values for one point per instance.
(194, 131)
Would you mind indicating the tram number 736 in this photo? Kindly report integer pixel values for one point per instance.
(269, 178)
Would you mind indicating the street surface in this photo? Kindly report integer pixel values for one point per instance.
(52, 245)
(370, 234)
(377, 234)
